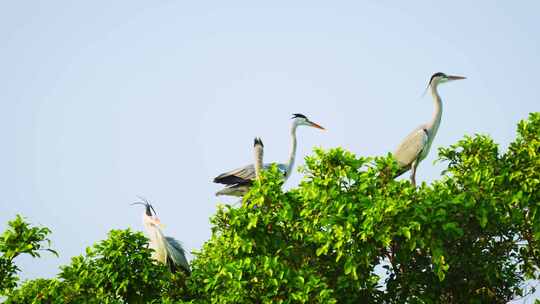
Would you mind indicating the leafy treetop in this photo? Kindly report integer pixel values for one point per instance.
(347, 234)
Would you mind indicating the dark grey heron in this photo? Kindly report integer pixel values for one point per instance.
(415, 147)
(239, 180)
(258, 149)
(167, 250)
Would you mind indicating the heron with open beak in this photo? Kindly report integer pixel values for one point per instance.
(167, 250)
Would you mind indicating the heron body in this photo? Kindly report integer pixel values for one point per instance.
(238, 181)
(166, 250)
(416, 146)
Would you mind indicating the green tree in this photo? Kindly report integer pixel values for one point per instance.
(116, 270)
(470, 237)
(19, 238)
(347, 234)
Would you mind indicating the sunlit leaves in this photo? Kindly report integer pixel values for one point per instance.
(450, 239)
(20, 238)
(472, 236)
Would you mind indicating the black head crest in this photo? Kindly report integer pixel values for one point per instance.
(258, 141)
(438, 74)
(147, 204)
(298, 115)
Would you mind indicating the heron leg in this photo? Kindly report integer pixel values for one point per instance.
(413, 172)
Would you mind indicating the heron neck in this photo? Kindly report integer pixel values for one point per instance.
(292, 153)
(433, 125)
(258, 161)
(157, 243)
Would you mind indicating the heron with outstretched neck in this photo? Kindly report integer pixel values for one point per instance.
(238, 181)
(167, 250)
(415, 147)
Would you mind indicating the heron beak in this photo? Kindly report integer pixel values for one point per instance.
(312, 124)
(451, 78)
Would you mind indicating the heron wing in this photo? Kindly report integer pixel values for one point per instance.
(177, 254)
(236, 176)
(411, 147)
(243, 175)
(235, 190)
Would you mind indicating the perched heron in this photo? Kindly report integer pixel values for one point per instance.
(258, 149)
(239, 180)
(415, 147)
(167, 250)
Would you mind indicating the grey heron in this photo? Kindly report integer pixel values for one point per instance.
(167, 250)
(258, 149)
(415, 147)
(239, 180)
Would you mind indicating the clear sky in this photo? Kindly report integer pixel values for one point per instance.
(105, 100)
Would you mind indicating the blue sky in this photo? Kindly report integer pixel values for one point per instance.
(106, 100)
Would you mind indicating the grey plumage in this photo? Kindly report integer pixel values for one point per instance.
(411, 149)
(176, 256)
(238, 181)
(258, 151)
(416, 146)
(238, 190)
(166, 250)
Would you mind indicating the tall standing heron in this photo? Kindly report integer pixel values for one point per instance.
(239, 180)
(258, 149)
(415, 147)
(167, 250)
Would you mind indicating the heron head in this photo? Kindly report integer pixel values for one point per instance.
(258, 142)
(439, 78)
(150, 215)
(302, 120)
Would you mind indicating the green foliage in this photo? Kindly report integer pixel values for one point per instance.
(116, 270)
(19, 238)
(347, 234)
(471, 237)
